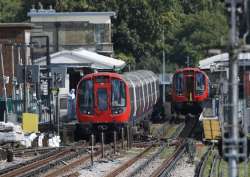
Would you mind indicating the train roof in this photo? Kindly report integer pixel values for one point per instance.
(110, 74)
(135, 77)
(189, 69)
(140, 76)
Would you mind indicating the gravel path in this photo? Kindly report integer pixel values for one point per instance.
(150, 168)
(102, 168)
(16, 160)
(183, 169)
(131, 169)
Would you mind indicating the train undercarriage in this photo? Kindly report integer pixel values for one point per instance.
(138, 129)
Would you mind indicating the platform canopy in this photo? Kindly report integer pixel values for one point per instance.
(208, 62)
(81, 57)
(222, 60)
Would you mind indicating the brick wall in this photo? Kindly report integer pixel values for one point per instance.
(9, 34)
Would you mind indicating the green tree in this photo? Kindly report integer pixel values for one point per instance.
(190, 27)
(190, 33)
(9, 10)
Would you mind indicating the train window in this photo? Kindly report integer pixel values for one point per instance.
(179, 83)
(200, 83)
(118, 93)
(102, 99)
(86, 97)
(102, 79)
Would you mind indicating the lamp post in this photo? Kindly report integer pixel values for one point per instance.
(233, 95)
(163, 71)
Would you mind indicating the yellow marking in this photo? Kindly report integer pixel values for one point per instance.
(30, 123)
(190, 97)
(211, 129)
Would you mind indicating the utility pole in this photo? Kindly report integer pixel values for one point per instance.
(187, 62)
(25, 81)
(163, 71)
(13, 73)
(4, 84)
(233, 96)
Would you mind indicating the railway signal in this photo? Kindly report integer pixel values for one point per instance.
(58, 77)
(32, 73)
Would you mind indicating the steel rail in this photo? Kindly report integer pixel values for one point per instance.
(68, 167)
(36, 164)
(32, 164)
(159, 151)
(28, 152)
(129, 162)
(19, 165)
(199, 171)
(170, 162)
(72, 165)
(167, 164)
(213, 165)
(56, 162)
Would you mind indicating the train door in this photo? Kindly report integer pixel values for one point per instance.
(189, 86)
(102, 96)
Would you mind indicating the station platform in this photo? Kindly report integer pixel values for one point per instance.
(211, 123)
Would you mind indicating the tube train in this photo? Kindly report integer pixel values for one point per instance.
(190, 90)
(108, 100)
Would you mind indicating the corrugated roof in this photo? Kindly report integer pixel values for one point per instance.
(45, 12)
(222, 60)
(82, 56)
(207, 62)
(16, 25)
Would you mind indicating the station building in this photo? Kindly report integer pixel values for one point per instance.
(11, 34)
(78, 41)
(217, 68)
(76, 63)
(71, 30)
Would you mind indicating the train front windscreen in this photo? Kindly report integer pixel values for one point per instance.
(200, 83)
(86, 97)
(102, 95)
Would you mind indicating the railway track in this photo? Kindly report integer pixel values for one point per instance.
(161, 148)
(211, 168)
(129, 162)
(66, 159)
(215, 162)
(43, 162)
(199, 172)
(33, 151)
(163, 144)
(167, 165)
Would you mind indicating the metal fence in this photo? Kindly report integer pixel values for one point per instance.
(15, 107)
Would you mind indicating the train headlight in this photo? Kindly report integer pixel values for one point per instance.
(118, 110)
(87, 111)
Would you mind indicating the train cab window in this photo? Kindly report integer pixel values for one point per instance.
(118, 93)
(179, 83)
(102, 99)
(86, 97)
(200, 83)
